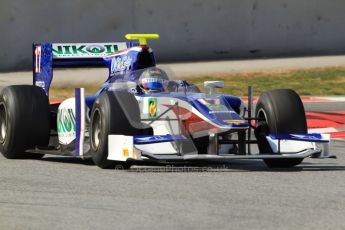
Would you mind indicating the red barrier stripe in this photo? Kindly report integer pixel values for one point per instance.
(54, 101)
(315, 99)
(338, 135)
(304, 99)
(327, 120)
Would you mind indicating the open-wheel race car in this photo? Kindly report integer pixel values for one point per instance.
(141, 115)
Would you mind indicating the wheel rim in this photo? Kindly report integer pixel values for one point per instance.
(263, 123)
(96, 130)
(3, 123)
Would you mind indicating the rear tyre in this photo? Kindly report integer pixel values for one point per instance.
(24, 121)
(279, 111)
(108, 117)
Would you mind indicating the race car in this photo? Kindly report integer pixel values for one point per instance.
(142, 115)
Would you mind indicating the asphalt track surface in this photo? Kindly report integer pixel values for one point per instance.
(65, 193)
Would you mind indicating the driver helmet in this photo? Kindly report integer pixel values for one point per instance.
(153, 80)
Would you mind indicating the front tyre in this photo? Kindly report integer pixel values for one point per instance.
(279, 111)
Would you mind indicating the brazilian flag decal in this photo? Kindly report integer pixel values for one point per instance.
(152, 107)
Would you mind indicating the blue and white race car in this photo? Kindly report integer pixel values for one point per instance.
(141, 115)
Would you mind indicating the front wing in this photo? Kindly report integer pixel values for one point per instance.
(123, 148)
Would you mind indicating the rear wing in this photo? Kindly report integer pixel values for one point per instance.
(49, 55)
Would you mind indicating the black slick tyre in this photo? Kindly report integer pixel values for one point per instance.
(24, 121)
(279, 111)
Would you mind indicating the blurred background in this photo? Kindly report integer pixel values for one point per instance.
(190, 29)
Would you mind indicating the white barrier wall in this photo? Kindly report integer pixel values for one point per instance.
(189, 29)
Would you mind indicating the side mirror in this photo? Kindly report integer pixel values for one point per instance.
(211, 85)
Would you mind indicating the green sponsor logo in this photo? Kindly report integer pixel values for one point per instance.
(66, 121)
(152, 107)
(66, 50)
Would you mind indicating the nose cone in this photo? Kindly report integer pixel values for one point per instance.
(220, 113)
